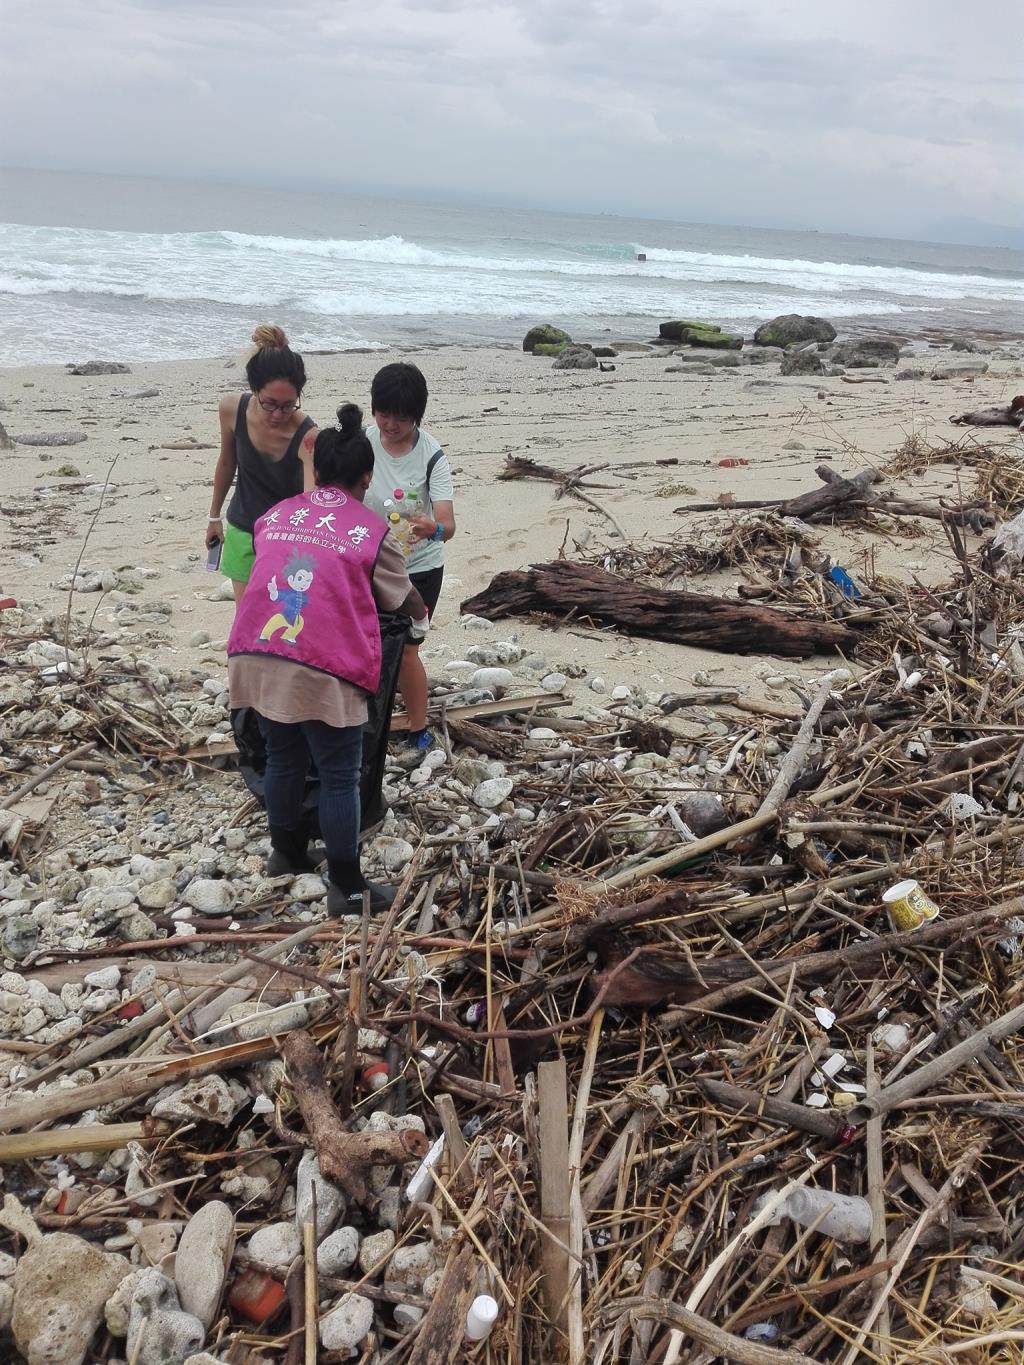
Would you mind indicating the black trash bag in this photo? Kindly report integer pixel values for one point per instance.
(252, 751)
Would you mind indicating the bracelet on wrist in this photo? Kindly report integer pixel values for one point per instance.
(214, 521)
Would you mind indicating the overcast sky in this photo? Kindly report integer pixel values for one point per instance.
(890, 117)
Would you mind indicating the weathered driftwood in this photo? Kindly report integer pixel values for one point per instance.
(344, 1157)
(441, 1336)
(768, 1109)
(522, 467)
(723, 1344)
(569, 481)
(565, 588)
(852, 493)
(656, 979)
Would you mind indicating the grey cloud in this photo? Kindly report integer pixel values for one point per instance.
(880, 118)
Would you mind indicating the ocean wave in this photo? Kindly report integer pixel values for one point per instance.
(166, 293)
(841, 275)
(252, 269)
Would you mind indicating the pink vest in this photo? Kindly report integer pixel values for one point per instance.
(310, 594)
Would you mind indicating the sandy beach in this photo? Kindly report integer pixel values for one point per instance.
(661, 435)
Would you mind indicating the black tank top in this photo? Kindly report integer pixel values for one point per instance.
(261, 481)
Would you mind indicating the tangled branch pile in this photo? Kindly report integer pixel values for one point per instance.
(636, 1053)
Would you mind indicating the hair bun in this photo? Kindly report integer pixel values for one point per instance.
(350, 419)
(268, 336)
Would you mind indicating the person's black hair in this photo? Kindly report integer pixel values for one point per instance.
(342, 454)
(274, 359)
(399, 390)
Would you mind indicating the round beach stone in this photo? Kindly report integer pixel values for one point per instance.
(338, 1251)
(203, 1256)
(347, 1324)
(489, 794)
(278, 1244)
(209, 895)
(107, 979)
(493, 679)
(308, 886)
(375, 1250)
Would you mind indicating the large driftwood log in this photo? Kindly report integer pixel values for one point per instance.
(582, 590)
(344, 1157)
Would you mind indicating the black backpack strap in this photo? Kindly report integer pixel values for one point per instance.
(430, 466)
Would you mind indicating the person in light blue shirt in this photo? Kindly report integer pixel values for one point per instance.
(412, 482)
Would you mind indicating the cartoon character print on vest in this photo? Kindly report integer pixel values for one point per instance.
(315, 556)
(298, 575)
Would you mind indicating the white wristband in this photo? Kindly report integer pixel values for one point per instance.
(214, 521)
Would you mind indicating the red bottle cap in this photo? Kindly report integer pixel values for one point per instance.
(375, 1077)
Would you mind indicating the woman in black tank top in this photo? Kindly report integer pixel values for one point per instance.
(266, 446)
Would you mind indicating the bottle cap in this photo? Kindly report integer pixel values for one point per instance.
(375, 1077)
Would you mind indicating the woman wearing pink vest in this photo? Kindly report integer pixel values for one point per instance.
(304, 652)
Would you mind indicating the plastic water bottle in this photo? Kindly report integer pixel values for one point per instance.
(399, 526)
(847, 1216)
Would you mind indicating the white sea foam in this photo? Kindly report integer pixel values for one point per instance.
(155, 293)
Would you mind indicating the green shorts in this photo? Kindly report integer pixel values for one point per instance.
(238, 554)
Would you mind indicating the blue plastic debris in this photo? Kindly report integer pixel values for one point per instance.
(843, 582)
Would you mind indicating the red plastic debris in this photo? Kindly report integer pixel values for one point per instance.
(7, 602)
(732, 462)
(256, 1295)
(131, 1009)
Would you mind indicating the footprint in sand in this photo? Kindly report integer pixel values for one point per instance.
(480, 559)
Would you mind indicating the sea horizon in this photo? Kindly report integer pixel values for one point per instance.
(152, 268)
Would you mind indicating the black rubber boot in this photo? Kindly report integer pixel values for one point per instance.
(346, 886)
(290, 852)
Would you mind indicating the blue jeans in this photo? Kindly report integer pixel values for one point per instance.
(338, 755)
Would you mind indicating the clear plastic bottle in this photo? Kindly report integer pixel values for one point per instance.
(399, 525)
(847, 1216)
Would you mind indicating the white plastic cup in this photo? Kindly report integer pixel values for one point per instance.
(483, 1313)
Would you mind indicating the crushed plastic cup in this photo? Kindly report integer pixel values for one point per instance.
(908, 905)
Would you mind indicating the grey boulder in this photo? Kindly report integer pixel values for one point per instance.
(866, 353)
(801, 362)
(99, 367)
(575, 358)
(791, 328)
